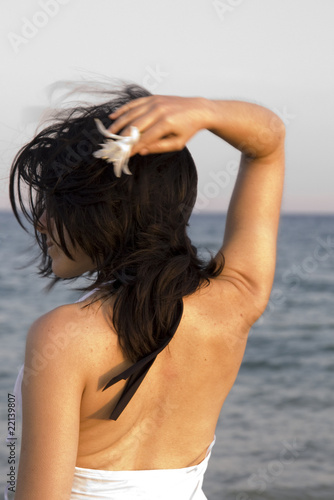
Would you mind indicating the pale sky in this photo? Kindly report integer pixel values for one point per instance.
(277, 53)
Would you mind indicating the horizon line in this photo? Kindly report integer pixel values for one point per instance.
(215, 212)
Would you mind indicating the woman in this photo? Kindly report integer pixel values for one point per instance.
(115, 413)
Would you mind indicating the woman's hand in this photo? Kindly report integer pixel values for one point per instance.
(166, 123)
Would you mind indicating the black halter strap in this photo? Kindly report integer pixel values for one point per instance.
(135, 374)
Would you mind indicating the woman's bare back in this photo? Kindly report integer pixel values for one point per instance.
(180, 397)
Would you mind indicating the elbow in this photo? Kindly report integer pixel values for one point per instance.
(272, 140)
(278, 130)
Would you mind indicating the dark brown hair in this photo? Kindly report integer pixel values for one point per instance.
(133, 227)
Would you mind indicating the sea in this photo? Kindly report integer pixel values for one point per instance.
(275, 435)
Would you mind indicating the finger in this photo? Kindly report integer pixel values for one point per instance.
(126, 107)
(151, 135)
(163, 146)
(146, 119)
(127, 119)
(159, 139)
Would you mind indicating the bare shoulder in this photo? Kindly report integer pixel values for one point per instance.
(54, 382)
(66, 337)
(63, 321)
(220, 316)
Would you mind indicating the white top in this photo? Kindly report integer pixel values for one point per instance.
(160, 484)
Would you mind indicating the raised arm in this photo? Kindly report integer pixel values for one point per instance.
(249, 246)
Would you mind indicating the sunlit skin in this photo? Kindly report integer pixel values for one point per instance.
(62, 265)
(172, 418)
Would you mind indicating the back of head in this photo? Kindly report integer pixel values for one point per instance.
(132, 227)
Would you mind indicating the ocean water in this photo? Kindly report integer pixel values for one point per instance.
(275, 436)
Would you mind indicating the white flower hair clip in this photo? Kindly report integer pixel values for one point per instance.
(117, 148)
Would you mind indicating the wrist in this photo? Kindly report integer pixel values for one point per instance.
(209, 113)
(250, 128)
